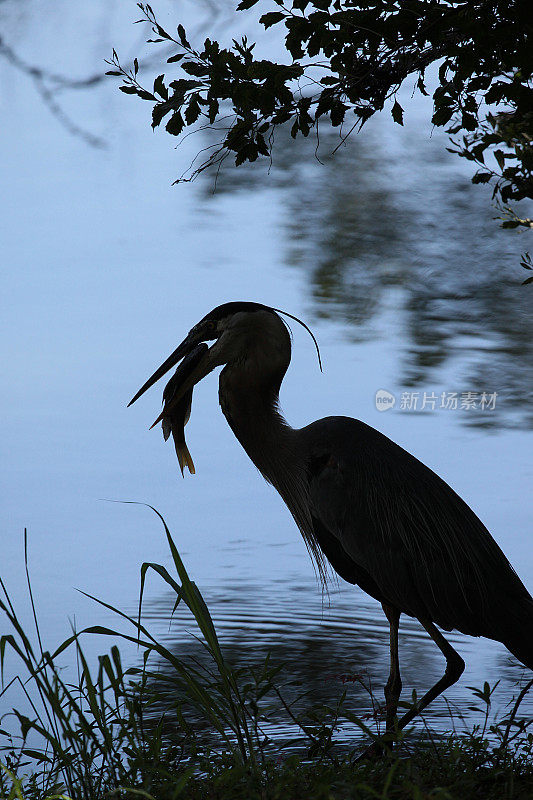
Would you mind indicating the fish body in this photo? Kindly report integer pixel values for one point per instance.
(178, 414)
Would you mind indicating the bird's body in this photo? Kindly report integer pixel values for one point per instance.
(402, 534)
(381, 518)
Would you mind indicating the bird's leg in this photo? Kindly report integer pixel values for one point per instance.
(393, 686)
(454, 669)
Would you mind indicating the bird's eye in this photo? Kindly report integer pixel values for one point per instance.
(211, 325)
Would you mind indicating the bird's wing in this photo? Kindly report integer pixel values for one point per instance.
(401, 529)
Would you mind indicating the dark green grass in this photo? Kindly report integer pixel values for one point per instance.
(197, 728)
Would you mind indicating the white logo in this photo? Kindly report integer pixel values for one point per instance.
(384, 400)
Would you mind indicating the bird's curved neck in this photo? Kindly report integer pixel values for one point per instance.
(253, 414)
(277, 450)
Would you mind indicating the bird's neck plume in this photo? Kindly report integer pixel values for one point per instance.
(254, 416)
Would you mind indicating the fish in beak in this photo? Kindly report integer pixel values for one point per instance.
(197, 361)
(176, 413)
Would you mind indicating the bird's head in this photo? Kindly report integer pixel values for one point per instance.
(237, 329)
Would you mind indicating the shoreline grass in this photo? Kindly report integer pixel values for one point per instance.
(113, 732)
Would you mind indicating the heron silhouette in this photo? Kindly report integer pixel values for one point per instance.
(375, 513)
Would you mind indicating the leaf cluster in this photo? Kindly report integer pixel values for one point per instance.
(347, 59)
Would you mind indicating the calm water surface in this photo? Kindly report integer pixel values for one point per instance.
(386, 249)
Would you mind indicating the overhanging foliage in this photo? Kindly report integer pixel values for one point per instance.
(345, 60)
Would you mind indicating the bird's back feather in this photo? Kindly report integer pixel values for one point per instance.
(391, 525)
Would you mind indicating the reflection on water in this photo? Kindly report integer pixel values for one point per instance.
(327, 649)
(371, 218)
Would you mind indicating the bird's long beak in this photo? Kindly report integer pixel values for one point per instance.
(180, 352)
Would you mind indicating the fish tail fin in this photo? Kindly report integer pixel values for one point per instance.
(184, 458)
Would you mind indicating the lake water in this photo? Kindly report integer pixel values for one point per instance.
(386, 249)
